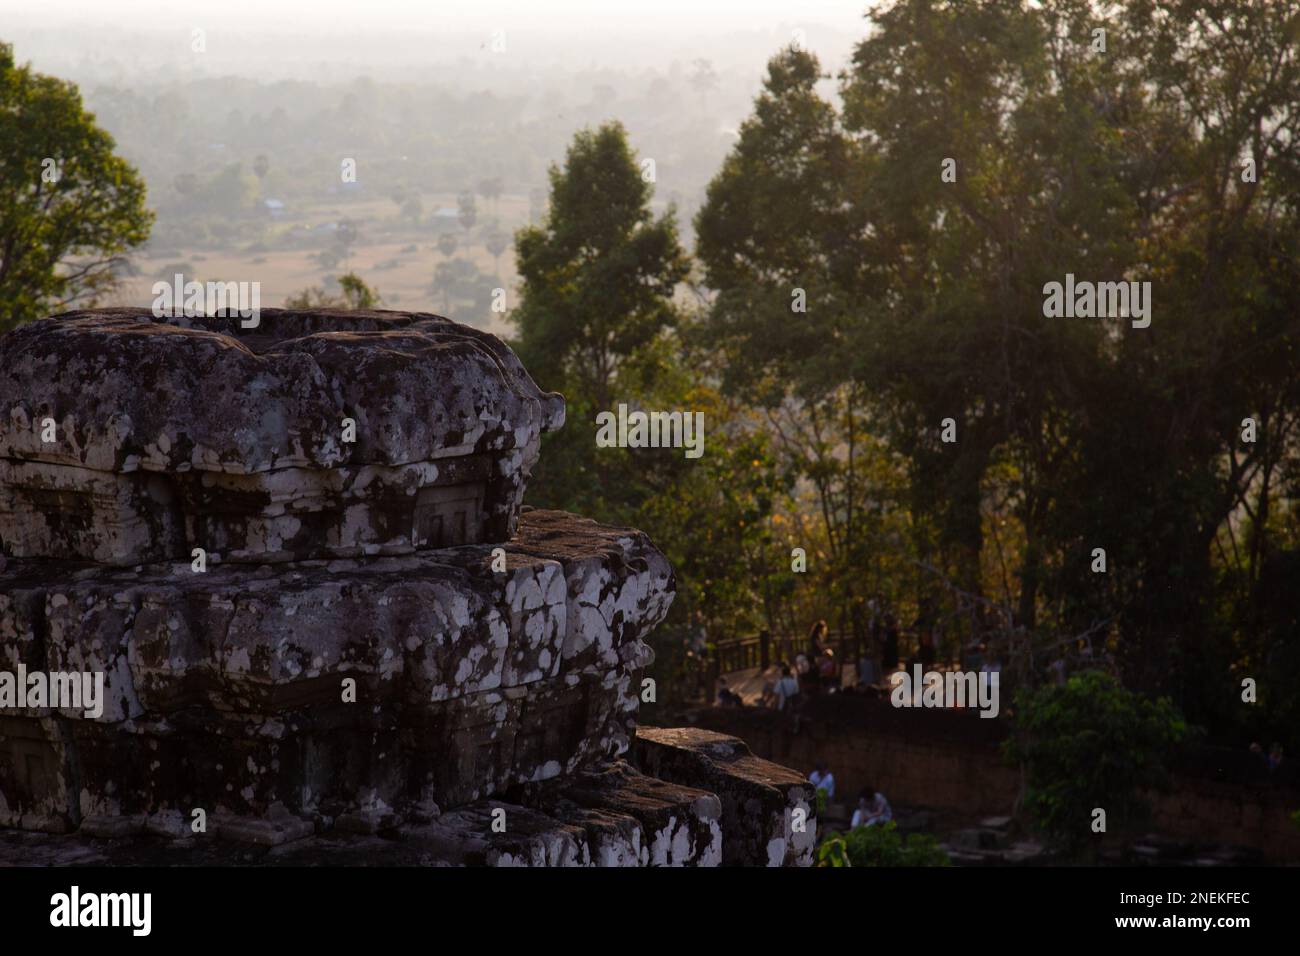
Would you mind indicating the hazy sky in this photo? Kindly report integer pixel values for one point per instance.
(270, 38)
(561, 15)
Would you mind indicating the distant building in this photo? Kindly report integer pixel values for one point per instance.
(274, 208)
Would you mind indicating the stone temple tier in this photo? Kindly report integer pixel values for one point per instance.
(380, 649)
(181, 433)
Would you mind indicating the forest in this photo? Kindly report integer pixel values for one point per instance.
(851, 286)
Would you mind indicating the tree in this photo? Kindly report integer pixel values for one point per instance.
(412, 209)
(599, 273)
(598, 319)
(353, 293)
(466, 291)
(1090, 744)
(704, 79)
(70, 210)
(926, 303)
(187, 184)
(490, 189)
(780, 239)
(466, 211)
(496, 244)
(230, 191)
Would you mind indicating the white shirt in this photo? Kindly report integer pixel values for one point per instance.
(786, 688)
(823, 781)
(878, 812)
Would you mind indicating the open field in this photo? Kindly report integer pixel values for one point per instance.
(394, 257)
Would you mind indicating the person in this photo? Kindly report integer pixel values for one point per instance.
(816, 639)
(788, 698)
(889, 659)
(809, 673)
(699, 635)
(828, 670)
(926, 653)
(728, 697)
(768, 697)
(787, 689)
(1274, 757)
(872, 809)
(823, 780)
(867, 669)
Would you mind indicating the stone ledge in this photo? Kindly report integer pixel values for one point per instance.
(610, 816)
(762, 802)
(224, 689)
(180, 433)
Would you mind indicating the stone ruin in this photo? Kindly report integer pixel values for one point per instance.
(298, 556)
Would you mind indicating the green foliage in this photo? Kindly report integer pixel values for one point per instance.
(1091, 743)
(925, 302)
(599, 273)
(880, 845)
(356, 294)
(598, 321)
(353, 294)
(62, 243)
(833, 852)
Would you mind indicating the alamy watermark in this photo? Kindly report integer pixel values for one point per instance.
(638, 429)
(946, 689)
(70, 690)
(1089, 300)
(75, 908)
(196, 298)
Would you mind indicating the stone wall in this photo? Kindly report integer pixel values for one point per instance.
(949, 761)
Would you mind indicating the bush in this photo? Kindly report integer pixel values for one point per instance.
(880, 846)
(1089, 744)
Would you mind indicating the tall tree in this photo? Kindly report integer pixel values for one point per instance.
(599, 273)
(985, 149)
(70, 210)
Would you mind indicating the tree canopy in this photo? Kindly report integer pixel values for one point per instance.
(70, 209)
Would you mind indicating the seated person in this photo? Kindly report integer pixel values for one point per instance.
(823, 779)
(872, 809)
(728, 697)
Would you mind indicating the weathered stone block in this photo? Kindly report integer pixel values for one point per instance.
(225, 690)
(181, 433)
(355, 653)
(768, 811)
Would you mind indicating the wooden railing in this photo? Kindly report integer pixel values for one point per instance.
(764, 650)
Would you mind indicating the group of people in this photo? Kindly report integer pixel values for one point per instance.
(1272, 760)
(872, 809)
(815, 669)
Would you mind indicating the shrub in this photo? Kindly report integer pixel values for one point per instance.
(880, 845)
(1087, 744)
